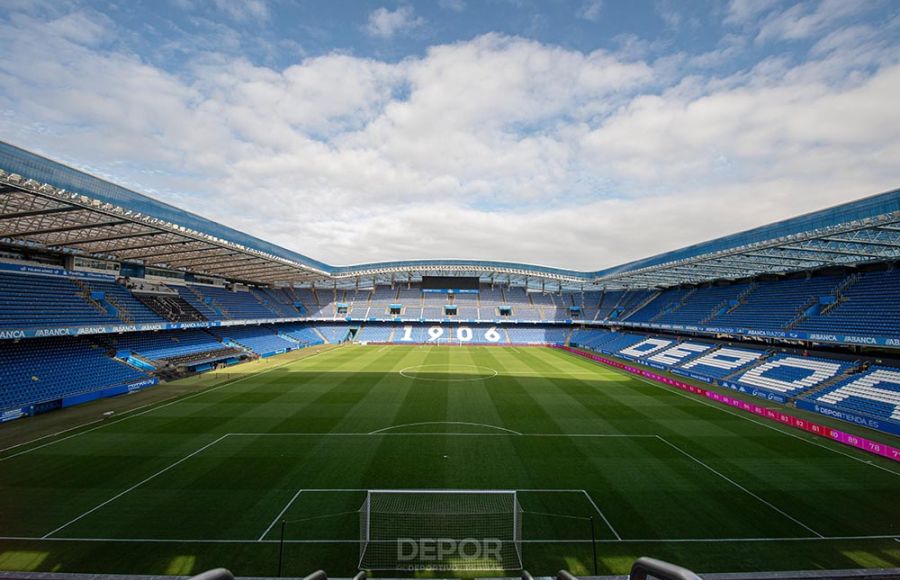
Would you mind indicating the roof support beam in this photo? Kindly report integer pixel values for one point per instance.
(37, 212)
(208, 261)
(768, 254)
(63, 229)
(163, 254)
(836, 251)
(765, 260)
(106, 239)
(146, 246)
(865, 241)
(711, 265)
(249, 269)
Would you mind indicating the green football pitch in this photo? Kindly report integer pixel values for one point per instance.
(207, 479)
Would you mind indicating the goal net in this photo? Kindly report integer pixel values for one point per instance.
(448, 340)
(440, 530)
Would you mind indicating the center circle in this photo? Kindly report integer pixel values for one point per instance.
(473, 372)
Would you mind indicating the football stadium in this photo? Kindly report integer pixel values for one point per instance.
(726, 406)
(205, 373)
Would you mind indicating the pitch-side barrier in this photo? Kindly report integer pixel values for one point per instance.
(874, 447)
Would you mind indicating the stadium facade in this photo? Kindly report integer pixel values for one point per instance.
(106, 291)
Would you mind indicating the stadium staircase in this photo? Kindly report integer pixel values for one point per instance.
(265, 302)
(809, 307)
(626, 313)
(84, 292)
(319, 334)
(136, 361)
(676, 306)
(759, 362)
(727, 306)
(616, 311)
(718, 308)
(216, 305)
(172, 307)
(599, 304)
(667, 304)
(286, 336)
(802, 313)
(840, 293)
(207, 301)
(120, 310)
(854, 369)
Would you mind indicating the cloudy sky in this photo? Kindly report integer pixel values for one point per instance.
(576, 134)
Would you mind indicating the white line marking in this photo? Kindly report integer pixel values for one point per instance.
(739, 486)
(281, 513)
(747, 417)
(42, 437)
(430, 489)
(133, 487)
(590, 499)
(550, 374)
(382, 430)
(153, 407)
(381, 433)
(339, 541)
(324, 516)
(403, 372)
(333, 489)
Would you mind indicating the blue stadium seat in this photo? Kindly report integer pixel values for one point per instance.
(870, 307)
(874, 392)
(262, 340)
(791, 375)
(28, 300)
(167, 344)
(720, 363)
(39, 370)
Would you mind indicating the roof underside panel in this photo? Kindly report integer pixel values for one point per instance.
(32, 166)
(50, 205)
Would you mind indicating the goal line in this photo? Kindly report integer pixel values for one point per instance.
(427, 529)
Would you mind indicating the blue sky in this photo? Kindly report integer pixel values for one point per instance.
(576, 134)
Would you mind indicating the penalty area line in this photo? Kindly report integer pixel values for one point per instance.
(141, 410)
(533, 541)
(423, 423)
(739, 486)
(746, 417)
(133, 487)
(279, 516)
(605, 520)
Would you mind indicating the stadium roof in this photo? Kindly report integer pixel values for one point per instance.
(49, 205)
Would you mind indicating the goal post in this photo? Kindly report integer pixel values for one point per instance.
(449, 341)
(440, 530)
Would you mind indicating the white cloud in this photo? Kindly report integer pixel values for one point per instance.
(669, 14)
(384, 23)
(805, 20)
(243, 10)
(590, 10)
(744, 11)
(452, 5)
(495, 147)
